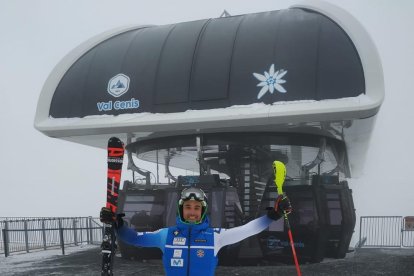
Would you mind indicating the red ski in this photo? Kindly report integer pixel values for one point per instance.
(115, 161)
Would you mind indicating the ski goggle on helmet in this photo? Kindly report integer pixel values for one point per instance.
(193, 194)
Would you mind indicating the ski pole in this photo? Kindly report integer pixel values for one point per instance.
(279, 170)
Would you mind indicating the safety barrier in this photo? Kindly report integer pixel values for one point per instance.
(385, 231)
(29, 234)
(408, 232)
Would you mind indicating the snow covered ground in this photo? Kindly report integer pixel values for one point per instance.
(86, 260)
(26, 262)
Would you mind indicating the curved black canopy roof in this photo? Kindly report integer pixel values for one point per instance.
(210, 64)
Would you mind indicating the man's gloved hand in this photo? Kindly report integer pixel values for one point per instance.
(282, 206)
(108, 217)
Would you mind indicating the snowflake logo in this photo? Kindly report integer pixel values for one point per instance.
(270, 81)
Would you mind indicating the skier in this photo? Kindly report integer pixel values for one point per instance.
(191, 246)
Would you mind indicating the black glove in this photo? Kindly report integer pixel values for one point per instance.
(108, 217)
(282, 206)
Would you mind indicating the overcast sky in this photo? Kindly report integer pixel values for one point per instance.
(42, 176)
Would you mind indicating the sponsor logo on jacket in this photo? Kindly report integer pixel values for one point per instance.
(177, 262)
(179, 241)
(177, 253)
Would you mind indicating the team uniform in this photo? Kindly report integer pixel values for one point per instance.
(191, 249)
(191, 246)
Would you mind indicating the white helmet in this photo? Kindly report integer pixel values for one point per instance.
(192, 193)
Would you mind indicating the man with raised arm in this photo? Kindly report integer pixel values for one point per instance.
(191, 246)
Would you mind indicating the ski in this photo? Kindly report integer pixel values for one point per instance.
(279, 170)
(115, 161)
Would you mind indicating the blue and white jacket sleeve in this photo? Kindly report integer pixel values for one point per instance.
(223, 237)
(144, 239)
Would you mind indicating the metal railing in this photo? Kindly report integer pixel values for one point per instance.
(384, 231)
(28, 234)
(408, 232)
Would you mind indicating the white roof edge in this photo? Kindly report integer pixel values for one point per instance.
(368, 52)
(235, 116)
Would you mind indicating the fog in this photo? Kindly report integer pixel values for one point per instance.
(43, 176)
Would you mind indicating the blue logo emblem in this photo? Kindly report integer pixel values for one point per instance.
(118, 85)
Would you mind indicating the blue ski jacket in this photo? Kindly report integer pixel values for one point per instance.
(191, 249)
